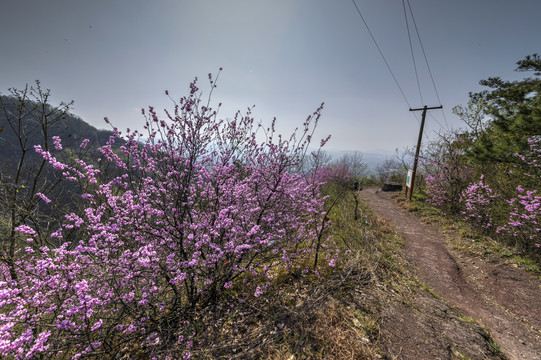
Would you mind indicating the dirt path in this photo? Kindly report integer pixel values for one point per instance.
(504, 300)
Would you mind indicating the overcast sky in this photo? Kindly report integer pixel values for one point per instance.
(114, 57)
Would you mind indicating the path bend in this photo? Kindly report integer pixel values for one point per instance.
(505, 300)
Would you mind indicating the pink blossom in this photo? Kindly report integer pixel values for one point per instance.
(332, 263)
(199, 203)
(25, 229)
(258, 292)
(57, 143)
(97, 325)
(44, 198)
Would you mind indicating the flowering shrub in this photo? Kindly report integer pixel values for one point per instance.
(196, 207)
(524, 222)
(439, 194)
(448, 171)
(339, 174)
(532, 159)
(524, 219)
(446, 182)
(336, 182)
(477, 199)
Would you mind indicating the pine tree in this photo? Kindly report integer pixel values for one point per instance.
(515, 111)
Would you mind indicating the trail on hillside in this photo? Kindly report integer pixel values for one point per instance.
(504, 300)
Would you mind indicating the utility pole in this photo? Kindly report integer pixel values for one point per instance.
(416, 160)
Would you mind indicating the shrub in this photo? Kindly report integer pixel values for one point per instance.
(477, 199)
(524, 219)
(198, 206)
(448, 171)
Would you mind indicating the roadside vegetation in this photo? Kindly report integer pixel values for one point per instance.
(469, 238)
(203, 238)
(488, 174)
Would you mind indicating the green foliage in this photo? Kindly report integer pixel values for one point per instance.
(369, 181)
(514, 109)
(497, 158)
(528, 263)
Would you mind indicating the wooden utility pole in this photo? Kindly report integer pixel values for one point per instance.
(416, 160)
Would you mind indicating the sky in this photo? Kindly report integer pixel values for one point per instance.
(286, 57)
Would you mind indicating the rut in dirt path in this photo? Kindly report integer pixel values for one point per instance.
(506, 301)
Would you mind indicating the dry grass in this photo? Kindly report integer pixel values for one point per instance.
(360, 309)
(336, 315)
(331, 316)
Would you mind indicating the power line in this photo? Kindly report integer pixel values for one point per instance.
(439, 123)
(381, 53)
(412, 52)
(426, 61)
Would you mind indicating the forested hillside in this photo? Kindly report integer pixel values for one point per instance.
(28, 123)
(22, 118)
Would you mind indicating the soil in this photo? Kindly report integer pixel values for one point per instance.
(504, 300)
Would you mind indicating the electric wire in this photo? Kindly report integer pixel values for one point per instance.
(436, 120)
(426, 61)
(381, 53)
(412, 52)
(425, 135)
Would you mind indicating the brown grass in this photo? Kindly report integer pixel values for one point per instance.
(333, 316)
(339, 314)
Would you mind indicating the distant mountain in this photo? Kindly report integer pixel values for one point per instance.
(26, 122)
(23, 172)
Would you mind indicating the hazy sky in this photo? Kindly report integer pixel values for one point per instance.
(114, 57)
